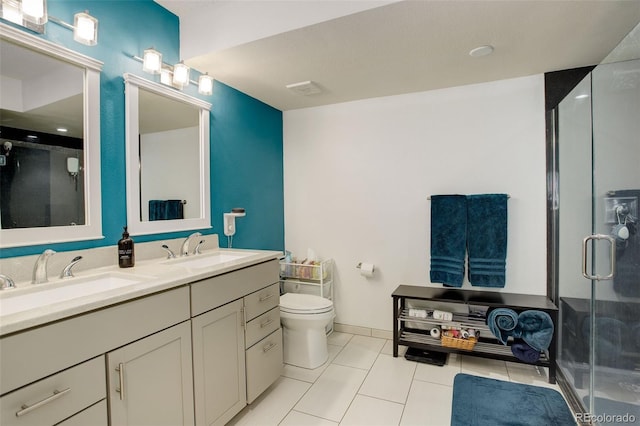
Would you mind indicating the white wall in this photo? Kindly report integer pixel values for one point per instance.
(357, 176)
(168, 169)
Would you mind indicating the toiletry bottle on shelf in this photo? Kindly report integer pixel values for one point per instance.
(126, 256)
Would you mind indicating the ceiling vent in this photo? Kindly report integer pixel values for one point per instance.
(305, 88)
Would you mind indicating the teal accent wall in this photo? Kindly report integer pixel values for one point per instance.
(246, 134)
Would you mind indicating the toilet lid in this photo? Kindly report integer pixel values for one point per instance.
(304, 303)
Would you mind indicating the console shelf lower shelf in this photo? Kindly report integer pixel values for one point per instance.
(407, 329)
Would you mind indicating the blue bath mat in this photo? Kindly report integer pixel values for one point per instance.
(478, 401)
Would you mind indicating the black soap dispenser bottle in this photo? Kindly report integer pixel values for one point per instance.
(126, 256)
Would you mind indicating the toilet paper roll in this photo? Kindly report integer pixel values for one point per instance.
(435, 332)
(366, 269)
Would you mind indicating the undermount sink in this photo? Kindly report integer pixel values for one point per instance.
(39, 295)
(206, 260)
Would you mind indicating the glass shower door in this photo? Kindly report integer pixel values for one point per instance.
(575, 214)
(615, 323)
(599, 194)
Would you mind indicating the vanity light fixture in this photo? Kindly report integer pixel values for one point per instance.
(152, 61)
(177, 76)
(205, 84)
(85, 28)
(31, 14)
(181, 74)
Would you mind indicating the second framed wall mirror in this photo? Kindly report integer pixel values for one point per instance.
(167, 159)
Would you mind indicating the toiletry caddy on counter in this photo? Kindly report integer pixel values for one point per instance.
(407, 332)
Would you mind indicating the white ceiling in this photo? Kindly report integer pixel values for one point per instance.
(406, 46)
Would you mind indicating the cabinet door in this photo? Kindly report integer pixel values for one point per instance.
(151, 380)
(218, 364)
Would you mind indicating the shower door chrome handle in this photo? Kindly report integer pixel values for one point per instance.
(612, 256)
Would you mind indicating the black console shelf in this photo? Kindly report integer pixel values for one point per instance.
(487, 346)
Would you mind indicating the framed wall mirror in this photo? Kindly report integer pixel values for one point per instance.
(167, 159)
(49, 142)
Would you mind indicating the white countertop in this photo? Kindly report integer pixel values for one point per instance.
(147, 277)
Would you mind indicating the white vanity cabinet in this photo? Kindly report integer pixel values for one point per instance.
(57, 371)
(151, 380)
(225, 310)
(57, 397)
(263, 340)
(218, 364)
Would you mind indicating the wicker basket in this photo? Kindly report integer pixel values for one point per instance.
(455, 342)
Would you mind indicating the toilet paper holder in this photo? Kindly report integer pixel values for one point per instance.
(359, 266)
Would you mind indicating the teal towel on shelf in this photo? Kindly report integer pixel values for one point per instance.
(536, 329)
(448, 239)
(487, 239)
(502, 322)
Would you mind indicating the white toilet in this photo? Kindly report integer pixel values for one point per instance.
(304, 318)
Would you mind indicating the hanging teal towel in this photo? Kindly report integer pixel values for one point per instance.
(448, 239)
(166, 209)
(487, 239)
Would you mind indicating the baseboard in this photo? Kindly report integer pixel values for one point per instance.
(363, 331)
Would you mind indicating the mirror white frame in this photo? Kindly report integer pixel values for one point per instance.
(137, 226)
(92, 229)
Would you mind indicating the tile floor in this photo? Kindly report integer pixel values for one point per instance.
(362, 384)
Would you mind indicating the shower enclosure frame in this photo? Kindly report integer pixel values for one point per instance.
(558, 85)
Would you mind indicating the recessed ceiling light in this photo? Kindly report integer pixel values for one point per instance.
(32, 136)
(583, 96)
(481, 51)
(62, 129)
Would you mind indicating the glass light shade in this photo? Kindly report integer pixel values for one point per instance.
(166, 76)
(34, 11)
(11, 12)
(152, 61)
(205, 84)
(181, 74)
(85, 29)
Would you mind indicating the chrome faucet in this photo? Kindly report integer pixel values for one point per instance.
(7, 282)
(66, 272)
(197, 249)
(170, 253)
(40, 268)
(184, 251)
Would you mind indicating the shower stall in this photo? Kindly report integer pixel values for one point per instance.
(595, 196)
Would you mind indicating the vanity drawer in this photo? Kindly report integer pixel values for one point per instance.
(216, 291)
(260, 327)
(264, 364)
(96, 415)
(261, 301)
(55, 398)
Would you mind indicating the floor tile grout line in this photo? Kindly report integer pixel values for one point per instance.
(311, 385)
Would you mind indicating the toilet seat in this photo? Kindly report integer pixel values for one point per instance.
(304, 304)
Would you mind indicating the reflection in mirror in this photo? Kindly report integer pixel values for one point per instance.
(49, 142)
(167, 159)
(41, 126)
(169, 146)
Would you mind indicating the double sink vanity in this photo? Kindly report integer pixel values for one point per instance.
(189, 340)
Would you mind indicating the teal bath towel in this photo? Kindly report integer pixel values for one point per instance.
(448, 239)
(487, 239)
(536, 329)
(503, 323)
